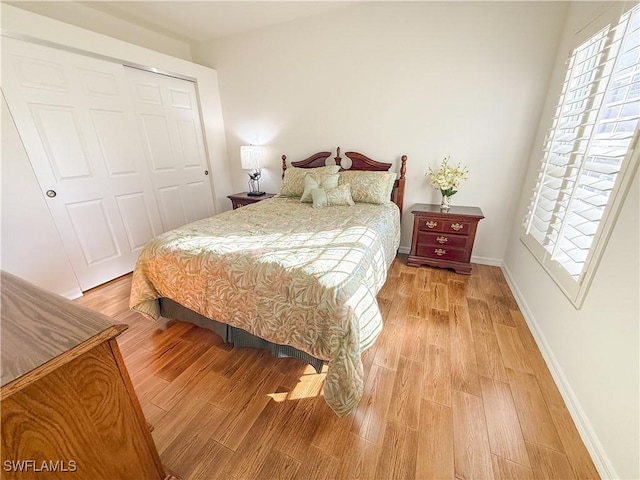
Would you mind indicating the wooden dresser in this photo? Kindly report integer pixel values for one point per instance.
(68, 406)
(444, 239)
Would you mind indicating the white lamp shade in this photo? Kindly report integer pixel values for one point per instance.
(251, 157)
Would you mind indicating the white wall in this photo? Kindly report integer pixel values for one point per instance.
(593, 352)
(425, 79)
(88, 17)
(31, 247)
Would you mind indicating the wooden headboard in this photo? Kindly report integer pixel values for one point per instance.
(358, 162)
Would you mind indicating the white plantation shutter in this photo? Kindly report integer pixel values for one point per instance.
(588, 155)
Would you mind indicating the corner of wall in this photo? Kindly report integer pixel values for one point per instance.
(98, 18)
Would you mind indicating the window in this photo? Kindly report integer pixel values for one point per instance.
(588, 156)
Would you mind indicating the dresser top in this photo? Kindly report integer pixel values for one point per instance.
(39, 326)
(425, 208)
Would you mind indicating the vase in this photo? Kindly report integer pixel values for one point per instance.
(445, 204)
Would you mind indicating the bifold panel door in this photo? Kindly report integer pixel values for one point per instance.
(169, 119)
(75, 118)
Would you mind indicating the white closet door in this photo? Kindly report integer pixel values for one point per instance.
(75, 118)
(168, 115)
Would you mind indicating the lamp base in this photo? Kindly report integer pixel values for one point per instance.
(255, 194)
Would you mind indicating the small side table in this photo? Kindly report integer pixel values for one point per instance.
(241, 199)
(444, 239)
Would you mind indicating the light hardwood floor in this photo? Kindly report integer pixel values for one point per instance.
(455, 388)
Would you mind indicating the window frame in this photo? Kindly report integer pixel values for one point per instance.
(577, 290)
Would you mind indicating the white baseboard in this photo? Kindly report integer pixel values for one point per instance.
(585, 429)
(73, 294)
(496, 262)
(402, 249)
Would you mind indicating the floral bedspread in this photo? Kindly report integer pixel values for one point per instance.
(286, 272)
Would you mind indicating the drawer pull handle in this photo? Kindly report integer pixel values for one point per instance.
(431, 224)
(457, 226)
(442, 239)
(440, 251)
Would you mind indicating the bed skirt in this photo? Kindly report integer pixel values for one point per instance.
(236, 336)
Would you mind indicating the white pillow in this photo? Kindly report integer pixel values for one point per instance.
(312, 181)
(339, 196)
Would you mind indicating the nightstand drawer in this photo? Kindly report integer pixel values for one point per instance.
(455, 226)
(430, 225)
(443, 253)
(442, 225)
(442, 240)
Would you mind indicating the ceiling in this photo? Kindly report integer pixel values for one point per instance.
(202, 21)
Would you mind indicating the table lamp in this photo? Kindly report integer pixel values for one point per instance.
(251, 159)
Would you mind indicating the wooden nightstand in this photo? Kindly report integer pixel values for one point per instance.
(444, 239)
(241, 199)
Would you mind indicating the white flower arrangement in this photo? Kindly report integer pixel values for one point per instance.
(447, 179)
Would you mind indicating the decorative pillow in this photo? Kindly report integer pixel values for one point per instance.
(293, 183)
(311, 182)
(333, 197)
(369, 187)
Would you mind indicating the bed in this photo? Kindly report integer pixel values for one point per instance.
(285, 275)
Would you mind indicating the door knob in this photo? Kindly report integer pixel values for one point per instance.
(51, 193)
